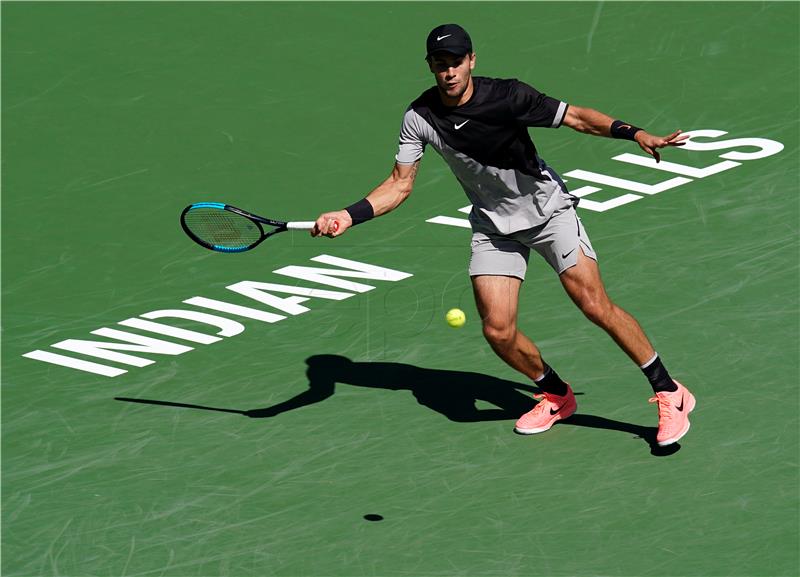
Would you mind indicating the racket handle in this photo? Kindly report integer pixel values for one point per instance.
(300, 225)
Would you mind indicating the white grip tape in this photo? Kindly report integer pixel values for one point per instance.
(300, 225)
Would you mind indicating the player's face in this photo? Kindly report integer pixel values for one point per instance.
(453, 76)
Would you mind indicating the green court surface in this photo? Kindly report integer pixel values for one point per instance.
(261, 453)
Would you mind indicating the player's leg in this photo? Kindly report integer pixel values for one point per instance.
(497, 268)
(585, 287)
(564, 244)
(497, 298)
(568, 249)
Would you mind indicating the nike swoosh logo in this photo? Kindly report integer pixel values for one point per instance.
(440, 38)
(566, 254)
(460, 125)
(552, 412)
(680, 407)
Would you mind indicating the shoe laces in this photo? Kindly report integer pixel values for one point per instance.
(546, 399)
(665, 405)
(542, 401)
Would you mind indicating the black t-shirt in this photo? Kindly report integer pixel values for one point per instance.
(486, 143)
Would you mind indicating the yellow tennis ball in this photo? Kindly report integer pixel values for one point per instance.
(455, 318)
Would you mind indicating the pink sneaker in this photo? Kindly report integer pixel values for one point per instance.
(548, 410)
(673, 414)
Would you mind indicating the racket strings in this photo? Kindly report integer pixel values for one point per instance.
(222, 228)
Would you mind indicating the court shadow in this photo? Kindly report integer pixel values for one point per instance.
(647, 434)
(453, 394)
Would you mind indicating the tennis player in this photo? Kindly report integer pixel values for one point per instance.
(479, 126)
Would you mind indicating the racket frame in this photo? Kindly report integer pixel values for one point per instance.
(279, 226)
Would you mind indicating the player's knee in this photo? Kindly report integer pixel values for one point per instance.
(499, 336)
(598, 310)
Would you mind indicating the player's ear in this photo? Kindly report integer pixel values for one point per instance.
(472, 61)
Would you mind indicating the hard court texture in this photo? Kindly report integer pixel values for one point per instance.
(269, 452)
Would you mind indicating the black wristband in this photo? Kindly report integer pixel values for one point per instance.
(624, 130)
(361, 211)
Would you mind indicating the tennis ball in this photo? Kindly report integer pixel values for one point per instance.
(455, 318)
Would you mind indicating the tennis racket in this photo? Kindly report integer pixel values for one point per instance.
(225, 228)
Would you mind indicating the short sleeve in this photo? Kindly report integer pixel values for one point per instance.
(532, 108)
(412, 142)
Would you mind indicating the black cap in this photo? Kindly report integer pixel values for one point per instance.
(449, 38)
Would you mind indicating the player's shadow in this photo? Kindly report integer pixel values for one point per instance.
(453, 394)
(647, 434)
(450, 393)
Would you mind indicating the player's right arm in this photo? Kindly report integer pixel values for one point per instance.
(383, 199)
(590, 121)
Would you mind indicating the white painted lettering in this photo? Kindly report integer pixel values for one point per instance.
(104, 350)
(450, 221)
(598, 206)
(628, 184)
(237, 310)
(766, 147)
(257, 291)
(228, 327)
(357, 270)
(184, 334)
(66, 361)
(650, 162)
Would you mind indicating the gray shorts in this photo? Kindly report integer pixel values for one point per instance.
(557, 241)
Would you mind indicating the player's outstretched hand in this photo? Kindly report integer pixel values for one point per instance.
(650, 144)
(332, 223)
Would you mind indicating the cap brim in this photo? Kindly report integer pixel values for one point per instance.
(457, 51)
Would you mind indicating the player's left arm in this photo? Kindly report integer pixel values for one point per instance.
(590, 121)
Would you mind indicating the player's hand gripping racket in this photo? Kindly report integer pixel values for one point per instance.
(225, 228)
